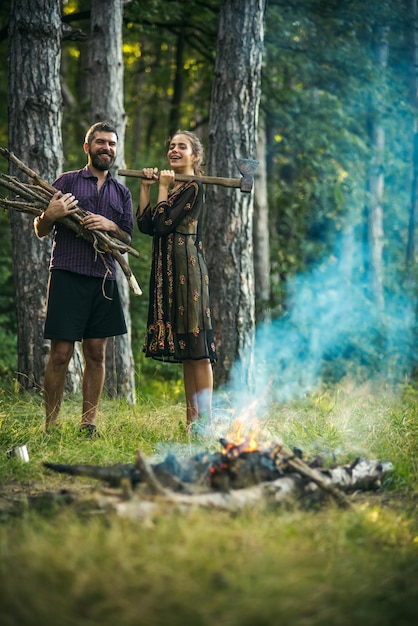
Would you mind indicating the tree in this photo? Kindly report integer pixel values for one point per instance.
(317, 74)
(261, 239)
(106, 88)
(232, 135)
(34, 102)
(374, 206)
(169, 58)
(412, 42)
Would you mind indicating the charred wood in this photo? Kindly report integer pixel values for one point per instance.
(233, 478)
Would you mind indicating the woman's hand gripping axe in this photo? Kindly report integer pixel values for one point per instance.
(246, 167)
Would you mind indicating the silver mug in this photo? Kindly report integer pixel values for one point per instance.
(20, 452)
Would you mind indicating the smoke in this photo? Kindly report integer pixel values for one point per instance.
(332, 329)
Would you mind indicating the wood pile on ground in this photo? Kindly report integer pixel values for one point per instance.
(233, 479)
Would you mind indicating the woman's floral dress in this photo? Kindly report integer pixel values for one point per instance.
(179, 316)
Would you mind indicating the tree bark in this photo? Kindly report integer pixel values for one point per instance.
(412, 40)
(229, 229)
(261, 235)
(106, 87)
(376, 177)
(34, 103)
(178, 85)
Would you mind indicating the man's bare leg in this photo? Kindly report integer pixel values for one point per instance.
(94, 351)
(54, 380)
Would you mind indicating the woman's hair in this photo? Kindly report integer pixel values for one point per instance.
(197, 149)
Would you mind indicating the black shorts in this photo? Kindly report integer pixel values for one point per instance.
(78, 309)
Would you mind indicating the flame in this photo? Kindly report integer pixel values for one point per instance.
(252, 443)
(236, 433)
(236, 443)
(244, 432)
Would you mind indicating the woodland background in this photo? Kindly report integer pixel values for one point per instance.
(334, 237)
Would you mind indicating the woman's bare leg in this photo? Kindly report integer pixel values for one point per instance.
(198, 386)
(192, 409)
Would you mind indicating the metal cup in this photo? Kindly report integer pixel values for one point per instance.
(20, 452)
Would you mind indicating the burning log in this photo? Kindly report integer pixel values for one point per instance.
(34, 199)
(231, 479)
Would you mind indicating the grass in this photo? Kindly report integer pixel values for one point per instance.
(61, 565)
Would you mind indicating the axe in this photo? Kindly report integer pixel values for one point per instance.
(246, 167)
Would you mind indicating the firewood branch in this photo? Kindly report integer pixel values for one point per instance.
(298, 465)
(37, 196)
(149, 477)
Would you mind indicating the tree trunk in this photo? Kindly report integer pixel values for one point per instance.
(178, 86)
(376, 178)
(34, 102)
(232, 135)
(138, 123)
(261, 239)
(412, 12)
(106, 83)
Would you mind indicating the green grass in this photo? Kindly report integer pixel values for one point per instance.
(65, 566)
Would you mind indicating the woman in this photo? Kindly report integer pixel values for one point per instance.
(179, 316)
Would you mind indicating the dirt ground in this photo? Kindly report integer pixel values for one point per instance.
(17, 497)
(56, 491)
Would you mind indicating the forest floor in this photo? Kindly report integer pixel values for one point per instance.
(57, 491)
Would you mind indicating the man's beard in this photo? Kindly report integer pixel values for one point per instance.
(101, 164)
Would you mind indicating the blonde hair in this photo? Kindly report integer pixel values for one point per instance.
(197, 149)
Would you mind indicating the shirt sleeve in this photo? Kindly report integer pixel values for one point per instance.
(64, 182)
(127, 222)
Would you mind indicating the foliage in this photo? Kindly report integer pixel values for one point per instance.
(320, 85)
(320, 81)
(62, 563)
(168, 59)
(8, 353)
(4, 18)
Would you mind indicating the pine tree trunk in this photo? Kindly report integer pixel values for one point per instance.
(261, 234)
(412, 10)
(34, 101)
(376, 178)
(178, 85)
(232, 135)
(106, 84)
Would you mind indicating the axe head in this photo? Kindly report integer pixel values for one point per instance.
(247, 169)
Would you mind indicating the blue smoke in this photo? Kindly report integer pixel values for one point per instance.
(331, 329)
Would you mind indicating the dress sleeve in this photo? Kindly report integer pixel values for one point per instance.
(167, 215)
(145, 223)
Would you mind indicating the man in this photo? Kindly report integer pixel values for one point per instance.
(83, 299)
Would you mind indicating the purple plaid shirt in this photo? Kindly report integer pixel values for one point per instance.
(72, 252)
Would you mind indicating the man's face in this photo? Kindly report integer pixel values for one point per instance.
(102, 150)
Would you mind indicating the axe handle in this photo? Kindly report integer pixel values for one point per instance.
(183, 178)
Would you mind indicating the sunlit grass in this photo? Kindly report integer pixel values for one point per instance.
(68, 565)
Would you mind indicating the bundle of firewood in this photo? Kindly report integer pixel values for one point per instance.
(33, 198)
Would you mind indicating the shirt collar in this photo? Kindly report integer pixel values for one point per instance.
(86, 173)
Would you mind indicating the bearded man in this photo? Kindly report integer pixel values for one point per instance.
(83, 301)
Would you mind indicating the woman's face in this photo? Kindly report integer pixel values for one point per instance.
(180, 153)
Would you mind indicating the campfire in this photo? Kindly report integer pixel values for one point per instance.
(242, 473)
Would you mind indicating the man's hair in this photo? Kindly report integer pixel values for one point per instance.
(104, 127)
